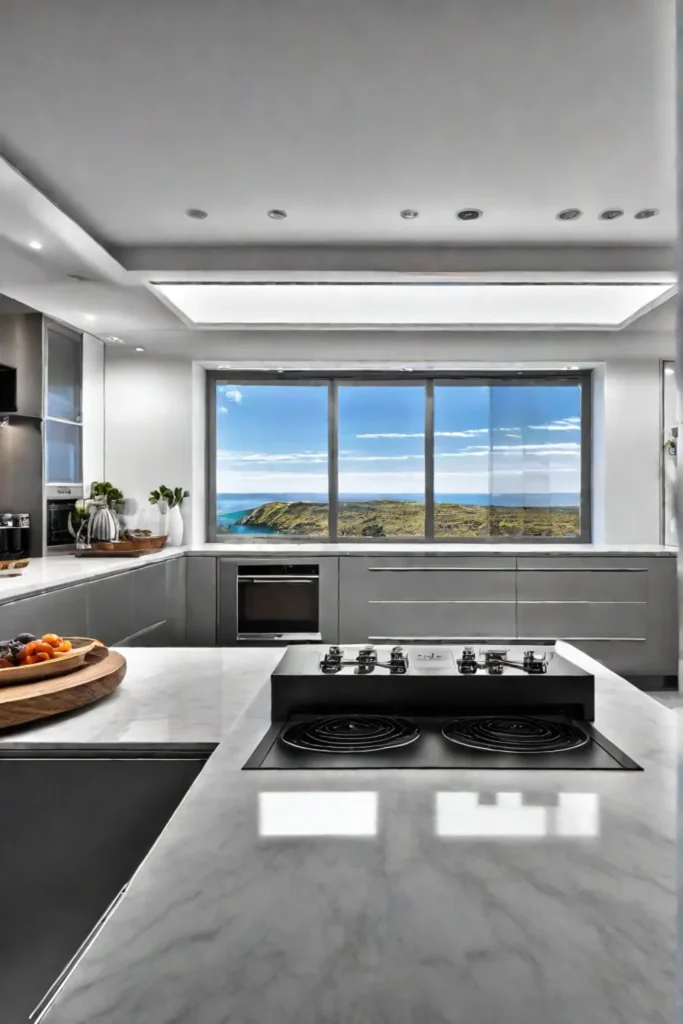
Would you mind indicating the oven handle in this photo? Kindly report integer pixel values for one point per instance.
(273, 579)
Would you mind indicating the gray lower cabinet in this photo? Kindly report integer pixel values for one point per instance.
(387, 600)
(623, 611)
(144, 607)
(54, 613)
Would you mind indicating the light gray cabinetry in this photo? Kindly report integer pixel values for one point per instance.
(53, 612)
(328, 607)
(111, 608)
(622, 611)
(385, 600)
(143, 607)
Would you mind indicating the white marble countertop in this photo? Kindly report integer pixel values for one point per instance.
(226, 923)
(54, 571)
(367, 548)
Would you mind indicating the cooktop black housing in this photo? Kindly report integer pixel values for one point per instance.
(432, 750)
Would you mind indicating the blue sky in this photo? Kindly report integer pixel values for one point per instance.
(273, 438)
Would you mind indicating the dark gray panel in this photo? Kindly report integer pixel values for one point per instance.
(202, 601)
(21, 475)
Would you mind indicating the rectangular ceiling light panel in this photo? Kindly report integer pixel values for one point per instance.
(499, 306)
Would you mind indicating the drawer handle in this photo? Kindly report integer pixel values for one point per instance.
(442, 639)
(601, 639)
(439, 568)
(568, 568)
(427, 601)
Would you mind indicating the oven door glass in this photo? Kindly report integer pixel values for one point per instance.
(277, 606)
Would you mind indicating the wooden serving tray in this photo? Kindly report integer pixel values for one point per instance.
(102, 672)
(81, 647)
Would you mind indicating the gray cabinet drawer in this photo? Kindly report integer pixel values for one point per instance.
(581, 621)
(421, 620)
(422, 581)
(62, 611)
(150, 595)
(111, 608)
(582, 585)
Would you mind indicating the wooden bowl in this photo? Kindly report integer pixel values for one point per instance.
(59, 666)
(118, 545)
(147, 543)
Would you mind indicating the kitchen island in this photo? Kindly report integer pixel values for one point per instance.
(283, 897)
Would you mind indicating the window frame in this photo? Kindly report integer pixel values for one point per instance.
(437, 378)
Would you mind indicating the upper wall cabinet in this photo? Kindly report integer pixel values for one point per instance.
(64, 374)
(63, 406)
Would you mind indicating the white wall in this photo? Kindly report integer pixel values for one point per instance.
(148, 417)
(155, 407)
(93, 410)
(627, 452)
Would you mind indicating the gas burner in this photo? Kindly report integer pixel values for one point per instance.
(514, 735)
(496, 661)
(365, 661)
(351, 734)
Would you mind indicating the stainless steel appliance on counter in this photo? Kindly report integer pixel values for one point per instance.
(278, 604)
(15, 535)
(488, 707)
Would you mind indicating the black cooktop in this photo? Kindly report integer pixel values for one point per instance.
(487, 741)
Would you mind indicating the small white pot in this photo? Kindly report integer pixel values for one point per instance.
(175, 526)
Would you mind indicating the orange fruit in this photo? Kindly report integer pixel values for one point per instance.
(52, 639)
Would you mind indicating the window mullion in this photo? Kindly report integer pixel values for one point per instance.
(429, 459)
(333, 458)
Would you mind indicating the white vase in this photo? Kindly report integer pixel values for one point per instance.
(175, 526)
(162, 506)
(103, 525)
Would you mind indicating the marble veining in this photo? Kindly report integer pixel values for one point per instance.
(225, 925)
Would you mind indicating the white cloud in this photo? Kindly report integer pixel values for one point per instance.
(270, 457)
(231, 394)
(375, 436)
(569, 423)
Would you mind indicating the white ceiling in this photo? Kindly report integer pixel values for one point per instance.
(121, 116)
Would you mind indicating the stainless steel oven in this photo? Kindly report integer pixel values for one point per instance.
(278, 604)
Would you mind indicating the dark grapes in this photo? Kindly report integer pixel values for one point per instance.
(25, 638)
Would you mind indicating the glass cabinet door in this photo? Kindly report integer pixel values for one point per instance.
(63, 455)
(64, 374)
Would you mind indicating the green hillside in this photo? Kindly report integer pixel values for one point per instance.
(388, 518)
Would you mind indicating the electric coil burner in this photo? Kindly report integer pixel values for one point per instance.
(434, 706)
(514, 735)
(351, 733)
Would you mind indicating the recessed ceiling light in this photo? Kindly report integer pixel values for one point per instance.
(118, 341)
(646, 214)
(410, 214)
(196, 214)
(469, 214)
(571, 214)
(277, 214)
(139, 348)
(35, 245)
(90, 316)
(224, 366)
(611, 214)
(570, 367)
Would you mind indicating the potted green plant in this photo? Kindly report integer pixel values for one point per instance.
(169, 500)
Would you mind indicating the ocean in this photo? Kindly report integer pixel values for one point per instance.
(230, 508)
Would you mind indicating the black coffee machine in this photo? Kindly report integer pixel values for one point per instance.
(15, 535)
